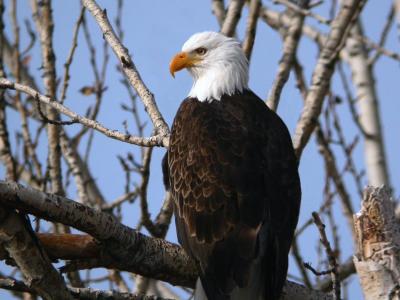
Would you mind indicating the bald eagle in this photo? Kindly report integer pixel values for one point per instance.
(233, 176)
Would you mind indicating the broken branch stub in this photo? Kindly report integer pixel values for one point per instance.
(378, 245)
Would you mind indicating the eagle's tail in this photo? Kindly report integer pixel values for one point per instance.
(254, 291)
(255, 288)
(199, 293)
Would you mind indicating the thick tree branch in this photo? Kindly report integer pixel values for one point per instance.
(69, 246)
(92, 294)
(135, 252)
(78, 293)
(18, 240)
(296, 291)
(130, 250)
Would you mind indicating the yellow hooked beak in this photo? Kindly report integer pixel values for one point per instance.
(180, 61)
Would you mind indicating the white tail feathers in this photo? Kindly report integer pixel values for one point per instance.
(199, 293)
(255, 288)
(253, 291)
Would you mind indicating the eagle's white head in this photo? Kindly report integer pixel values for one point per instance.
(217, 64)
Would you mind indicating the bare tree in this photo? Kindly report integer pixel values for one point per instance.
(88, 233)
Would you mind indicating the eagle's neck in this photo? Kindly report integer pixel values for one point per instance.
(222, 78)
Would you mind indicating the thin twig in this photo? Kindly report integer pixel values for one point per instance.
(315, 272)
(385, 31)
(331, 256)
(345, 270)
(130, 196)
(32, 37)
(331, 167)
(347, 149)
(71, 53)
(300, 263)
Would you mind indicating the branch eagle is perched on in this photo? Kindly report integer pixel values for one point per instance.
(233, 176)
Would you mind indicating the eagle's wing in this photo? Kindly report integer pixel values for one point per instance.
(233, 177)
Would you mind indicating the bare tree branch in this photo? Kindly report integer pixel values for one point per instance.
(135, 252)
(23, 247)
(44, 23)
(332, 170)
(296, 291)
(291, 41)
(345, 270)
(130, 70)
(396, 4)
(331, 256)
(323, 72)
(367, 101)
(130, 250)
(15, 232)
(70, 57)
(156, 140)
(385, 31)
(218, 9)
(251, 27)
(302, 9)
(79, 293)
(72, 161)
(232, 17)
(5, 150)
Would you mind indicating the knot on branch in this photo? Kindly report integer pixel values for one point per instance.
(126, 63)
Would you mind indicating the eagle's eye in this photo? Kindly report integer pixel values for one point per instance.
(201, 51)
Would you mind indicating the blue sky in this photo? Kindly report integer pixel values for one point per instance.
(154, 31)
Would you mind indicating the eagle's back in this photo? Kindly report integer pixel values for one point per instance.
(233, 177)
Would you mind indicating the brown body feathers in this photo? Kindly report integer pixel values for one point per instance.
(233, 176)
